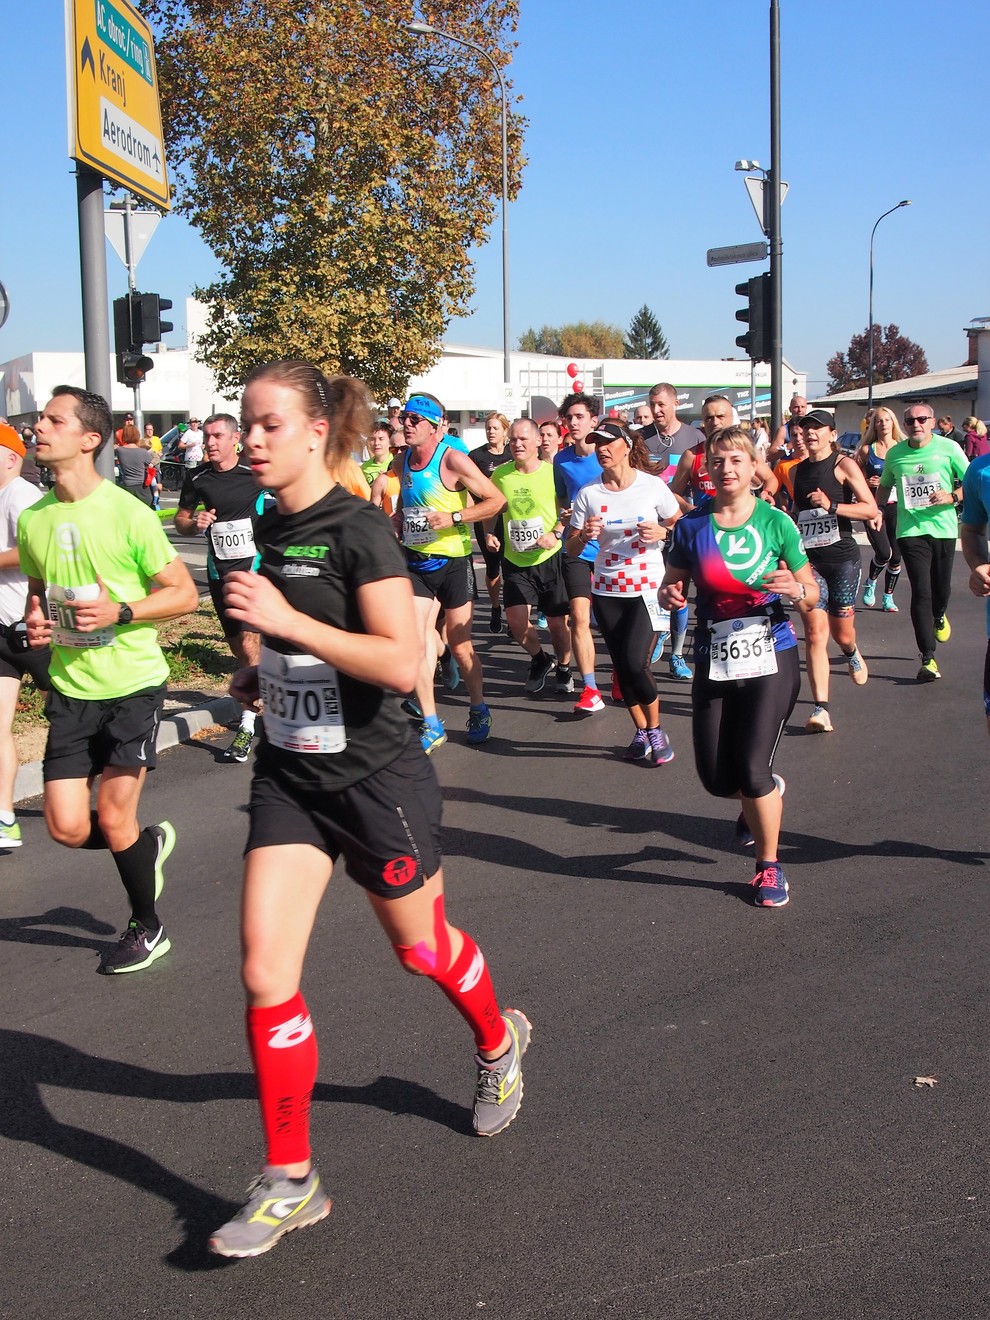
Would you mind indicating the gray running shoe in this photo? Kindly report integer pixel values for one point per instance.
(275, 1206)
(500, 1083)
(136, 949)
(164, 836)
(240, 749)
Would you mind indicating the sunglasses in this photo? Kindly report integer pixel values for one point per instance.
(415, 418)
(923, 418)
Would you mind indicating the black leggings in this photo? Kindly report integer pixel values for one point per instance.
(738, 724)
(928, 560)
(627, 628)
(886, 550)
(492, 558)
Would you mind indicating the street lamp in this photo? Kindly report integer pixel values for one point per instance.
(869, 379)
(427, 30)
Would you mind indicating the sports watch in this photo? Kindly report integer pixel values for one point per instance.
(126, 615)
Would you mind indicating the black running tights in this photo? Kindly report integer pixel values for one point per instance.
(738, 724)
(928, 560)
(627, 628)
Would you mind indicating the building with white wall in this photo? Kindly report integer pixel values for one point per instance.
(468, 380)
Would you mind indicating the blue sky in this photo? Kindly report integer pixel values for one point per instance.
(637, 113)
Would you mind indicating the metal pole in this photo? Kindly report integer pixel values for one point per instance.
(752, 392)
(132, 288)
(93, 277)
(776, 243)
(506, 363)
(427, 30)
(869, 373)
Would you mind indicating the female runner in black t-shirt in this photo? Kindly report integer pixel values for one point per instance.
(336, 774)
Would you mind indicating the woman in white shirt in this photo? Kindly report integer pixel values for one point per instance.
(630, 513)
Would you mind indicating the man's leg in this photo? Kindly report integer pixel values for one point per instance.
(9, 688)
(427, 608)
(246, 648)
(582, 643)
(459, 640)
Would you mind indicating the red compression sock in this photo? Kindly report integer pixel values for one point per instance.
(283, 1048)
(466, 982)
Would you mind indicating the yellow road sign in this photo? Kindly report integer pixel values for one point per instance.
(115, 121)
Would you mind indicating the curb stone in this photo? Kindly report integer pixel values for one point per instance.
(178, 727)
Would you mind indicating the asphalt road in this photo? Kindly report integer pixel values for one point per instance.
(720, 1116)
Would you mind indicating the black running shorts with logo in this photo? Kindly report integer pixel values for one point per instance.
(452, 583)
(86, 737)
(577, 578)
(386, 827)
(15, 664)
(541, 585)
(231, 627)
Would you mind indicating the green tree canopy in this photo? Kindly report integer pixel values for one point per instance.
(584, 339)
(339, 168)
(645, 339)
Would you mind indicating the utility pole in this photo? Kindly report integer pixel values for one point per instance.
(93, 273)
(776, 244)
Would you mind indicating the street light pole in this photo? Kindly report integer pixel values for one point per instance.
(774, 234)
(869, 376)
(427, 30)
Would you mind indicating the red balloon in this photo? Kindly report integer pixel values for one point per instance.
(572, 369)
(578, 386)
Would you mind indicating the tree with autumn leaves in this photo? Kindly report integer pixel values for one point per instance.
(339, 168)
(895, 357)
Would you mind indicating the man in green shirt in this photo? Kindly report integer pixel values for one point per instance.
(92, 553)
(532, 576)
(927, 471)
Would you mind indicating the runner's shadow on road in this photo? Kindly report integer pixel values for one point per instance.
(699, 832)
(28, 929)
(31, 1062)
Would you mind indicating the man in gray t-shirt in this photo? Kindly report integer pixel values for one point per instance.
(667, 438)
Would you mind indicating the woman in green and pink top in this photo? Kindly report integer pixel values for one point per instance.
(743, 556)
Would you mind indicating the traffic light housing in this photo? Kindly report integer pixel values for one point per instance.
(756, 342)
(137, 320)
(146, 317)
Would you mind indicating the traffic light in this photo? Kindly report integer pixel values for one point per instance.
(137, 320)
(132, 368)
(756, 342)
(146, 317)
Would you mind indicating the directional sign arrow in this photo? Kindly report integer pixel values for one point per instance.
(87, 58)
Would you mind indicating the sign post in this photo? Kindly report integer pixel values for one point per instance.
(115, 132)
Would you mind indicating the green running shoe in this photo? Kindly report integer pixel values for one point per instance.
(10, 835)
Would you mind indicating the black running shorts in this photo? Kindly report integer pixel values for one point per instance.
(541, 585)
(386, 827)
(577, 578)
(85, 737)
(452, 584)
(15, 664)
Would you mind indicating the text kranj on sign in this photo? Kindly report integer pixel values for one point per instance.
(115, 122)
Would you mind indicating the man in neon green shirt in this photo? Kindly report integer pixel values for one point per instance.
(927, 470)
(532, 575)
(91, 553)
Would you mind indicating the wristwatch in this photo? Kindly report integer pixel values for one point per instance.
(457, 517)
(126, 615)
